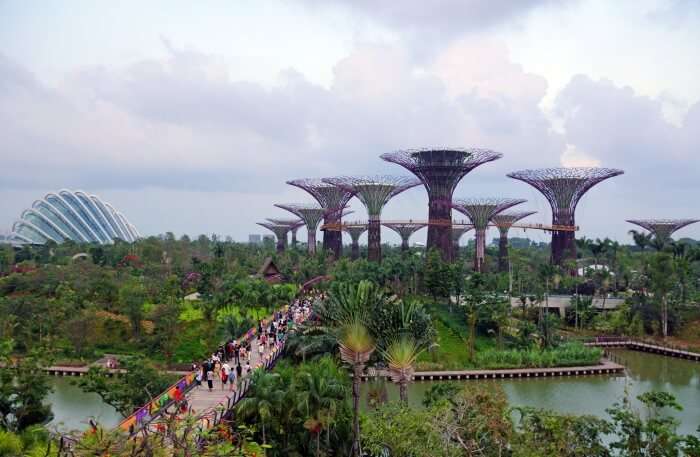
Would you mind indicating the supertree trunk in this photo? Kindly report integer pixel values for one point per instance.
(455, 249)
(563, 242)
(333, 239)
(440, 234)
(294, 239)
(503, 252)
(404, 244)
(374, 240)
(311, 241)
(281, 242)
(355, 251)
(480, 250)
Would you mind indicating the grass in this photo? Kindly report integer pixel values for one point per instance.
(451, 352)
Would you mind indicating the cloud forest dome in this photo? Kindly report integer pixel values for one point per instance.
(72, 215)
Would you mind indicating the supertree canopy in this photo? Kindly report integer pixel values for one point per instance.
(480, 211)
(311, 215)
(504, 222)
(293, 224)
(563, 188)
(405, 230)
(457, 231)
(663, 228)
(374, 192)
(333, 199)
(355, 231)
(280, 232)
(440, 170)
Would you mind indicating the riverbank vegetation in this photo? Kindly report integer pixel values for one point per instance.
(162, 303)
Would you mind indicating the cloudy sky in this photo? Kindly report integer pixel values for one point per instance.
(190, 116)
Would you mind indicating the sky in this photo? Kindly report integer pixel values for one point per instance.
(190, 116)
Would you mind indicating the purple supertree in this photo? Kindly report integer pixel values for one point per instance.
(280, 231)
(355, 231)
(440, 170)
(457, 231)
(662, 229)
(333, 199)
(311, 214)
(480, 211)
(293, 225)
(374, 192)
(504, 222)
(404, 230)
(563, 188)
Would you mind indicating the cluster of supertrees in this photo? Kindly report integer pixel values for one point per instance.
(439, 171)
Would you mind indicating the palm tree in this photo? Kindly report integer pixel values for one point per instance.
(264, 399)
(356, 345)
(658, 243)
(401, 355)
(642, 240)
(320, 392)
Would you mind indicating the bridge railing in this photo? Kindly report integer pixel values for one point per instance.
(156, 407)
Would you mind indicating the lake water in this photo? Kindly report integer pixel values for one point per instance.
(577, 395)
(593, 394)
(72, 408)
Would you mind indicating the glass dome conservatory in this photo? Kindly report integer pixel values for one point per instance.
(72, 215)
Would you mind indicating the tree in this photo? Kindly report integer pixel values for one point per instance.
(132, 297)
(663, 279)
(436, 276)
(356, 345)
(641, 240)
(23, 387)
(130, 390)
(263, 401)
(474, 299)
(401, 357)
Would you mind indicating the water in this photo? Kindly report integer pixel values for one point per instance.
(593, 394)
(72, 408)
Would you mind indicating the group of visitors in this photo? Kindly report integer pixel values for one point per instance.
(233, 358)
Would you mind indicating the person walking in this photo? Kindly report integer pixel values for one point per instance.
(248, 368)
(261, 349)
(231, 380)
(236, 352)
(198, 378)
(225, 370)
(210, 380)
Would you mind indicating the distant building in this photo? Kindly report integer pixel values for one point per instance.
(71, 215)
(254, 239)
(268, 239)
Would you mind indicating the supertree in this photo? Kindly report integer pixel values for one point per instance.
(280, 232)
(480, 211)
(440, 170)
(311, 214)
(504, 222)
(355, 231)
(663, 228)
(374, 192)
(563, 188)
(405, 230)
(293, 225)
(457, 231)
(333, 199)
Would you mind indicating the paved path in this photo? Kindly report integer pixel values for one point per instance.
(201, 400)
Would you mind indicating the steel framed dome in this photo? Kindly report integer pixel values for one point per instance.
(72, 215)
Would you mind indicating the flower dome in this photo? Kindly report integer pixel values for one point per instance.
(72, 215)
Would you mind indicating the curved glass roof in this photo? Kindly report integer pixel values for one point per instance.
(77, 216)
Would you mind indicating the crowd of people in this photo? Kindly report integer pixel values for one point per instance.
(232, 360)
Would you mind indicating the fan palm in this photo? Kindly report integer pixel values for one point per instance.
(401, 356)
(356, 345)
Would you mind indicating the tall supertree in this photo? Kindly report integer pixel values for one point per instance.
(457, 231)
(311, 215)
(563, 188)
(355, 231)
(440, 170)
(293, 224)
(374, 192)
(280, 232)
(662, 229)
(504, 222)
(405, 230)
(333, 199)
(480, 211)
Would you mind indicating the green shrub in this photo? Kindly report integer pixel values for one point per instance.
(566, 355)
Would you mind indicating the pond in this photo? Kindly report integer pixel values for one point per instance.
(72, 408)
(593, 394)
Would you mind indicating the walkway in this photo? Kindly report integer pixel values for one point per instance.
(643, 346)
